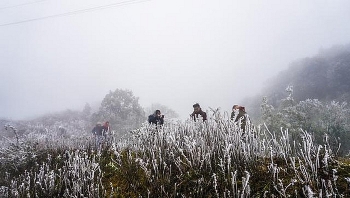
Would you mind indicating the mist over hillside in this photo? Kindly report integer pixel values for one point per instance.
(56, 155)
(325, 77)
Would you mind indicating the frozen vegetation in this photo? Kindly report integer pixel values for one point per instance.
(180, 159)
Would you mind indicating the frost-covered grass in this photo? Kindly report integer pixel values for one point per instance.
(49, 163)
(182, 159)
(78, 176)
(218, 159)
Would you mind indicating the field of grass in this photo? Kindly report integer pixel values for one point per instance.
(182, 159)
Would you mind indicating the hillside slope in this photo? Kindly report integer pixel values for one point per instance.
(325, 77)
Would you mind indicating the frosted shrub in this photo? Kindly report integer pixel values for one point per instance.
(80, 176)
(311, 115)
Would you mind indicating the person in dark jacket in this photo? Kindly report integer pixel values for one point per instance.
(197, 111)
(97, 132)
(156, 118)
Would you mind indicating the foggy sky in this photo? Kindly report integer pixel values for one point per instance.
(175, 53)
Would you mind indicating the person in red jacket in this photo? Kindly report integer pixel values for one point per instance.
(197, 112)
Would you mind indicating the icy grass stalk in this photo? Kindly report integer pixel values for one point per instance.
(215, 184)
(246, 187)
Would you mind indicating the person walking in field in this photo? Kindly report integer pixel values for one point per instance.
(197, 113)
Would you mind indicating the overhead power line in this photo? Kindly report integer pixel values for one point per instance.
(23, 4)
(122, 3)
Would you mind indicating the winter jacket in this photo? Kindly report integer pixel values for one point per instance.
(195, 115)
(154, 119)
(97, 130)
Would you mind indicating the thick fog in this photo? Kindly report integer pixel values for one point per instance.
(175, 53)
